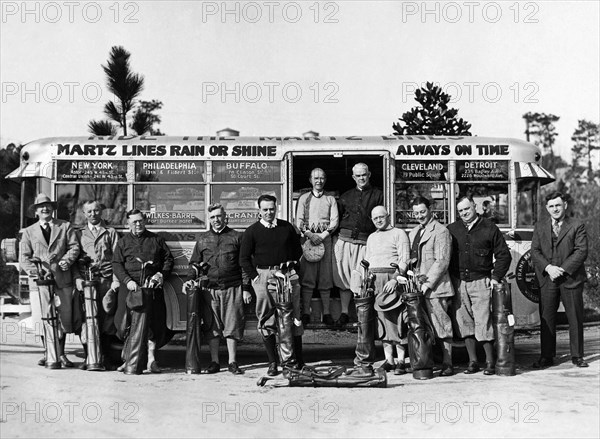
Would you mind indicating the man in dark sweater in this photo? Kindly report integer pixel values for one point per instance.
(220, 248)
(476, 241)
(266, 244)
(349, 244)
(141, 245)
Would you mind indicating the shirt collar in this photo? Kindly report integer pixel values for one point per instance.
(317, 194)
(267, 225)
(218, 232)
(470, 225)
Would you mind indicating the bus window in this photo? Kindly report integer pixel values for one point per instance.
(487, 182)
(70, 199)
(180, 204)
(526, 202)
(239, 201)
(491, 200)
(421, 178)
(169, 205)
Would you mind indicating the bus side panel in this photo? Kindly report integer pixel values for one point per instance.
(523, 285)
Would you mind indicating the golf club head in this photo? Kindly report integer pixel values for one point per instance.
(204, 267)
(365, 264)
(37, 262)
(395, 266)
(290, 264)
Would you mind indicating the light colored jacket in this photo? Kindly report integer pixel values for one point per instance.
(63, 245)
(435, 250)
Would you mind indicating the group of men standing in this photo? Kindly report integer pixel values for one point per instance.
(457, 265)
(117, 271)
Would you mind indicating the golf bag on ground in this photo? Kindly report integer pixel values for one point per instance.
(198, 312)
(285, 326)
(420, 336)
(93, 359)
(335, 376)
(135, 350)
(367, 326)
(504, 330)
(52, 332)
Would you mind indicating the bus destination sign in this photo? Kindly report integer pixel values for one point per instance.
(91, 170)
(481, 170)
(240, 171)
(430, 170)
(169, 171)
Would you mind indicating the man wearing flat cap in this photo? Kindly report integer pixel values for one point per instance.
(55, 243)
(385, 246)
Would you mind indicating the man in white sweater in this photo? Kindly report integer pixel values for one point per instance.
(385, 246)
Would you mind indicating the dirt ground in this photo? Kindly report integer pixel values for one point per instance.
(562, 401)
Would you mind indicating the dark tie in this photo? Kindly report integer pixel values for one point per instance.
(46, 232)
(556, 228)
(414, 250)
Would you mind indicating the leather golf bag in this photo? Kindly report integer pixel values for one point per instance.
(135, 350)
(285, 322)
(335, 376)
(93, 359)
(420, 336)
(504, 330)
(193, 331)
(367, 326)
(52, 331)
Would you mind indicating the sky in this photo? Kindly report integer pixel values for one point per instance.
(284, 68)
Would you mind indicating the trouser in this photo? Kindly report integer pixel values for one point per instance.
(572, 299)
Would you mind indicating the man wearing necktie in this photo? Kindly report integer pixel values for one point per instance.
(265, 245)
(98, 241)
(53, 241)
(431, 247)
(558, 250)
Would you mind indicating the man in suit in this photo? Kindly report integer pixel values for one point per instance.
(558, 250)
(53, 241)
(431, 247)
(98, 241)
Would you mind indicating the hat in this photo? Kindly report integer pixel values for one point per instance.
(42, 199)
(387, 301)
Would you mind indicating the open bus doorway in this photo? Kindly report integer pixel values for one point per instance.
(339, 179)
(338, 171)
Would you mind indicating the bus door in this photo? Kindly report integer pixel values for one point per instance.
(337, 165)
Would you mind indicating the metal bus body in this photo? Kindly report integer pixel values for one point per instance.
(172, 179)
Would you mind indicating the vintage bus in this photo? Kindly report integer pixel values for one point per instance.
(173, 179)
